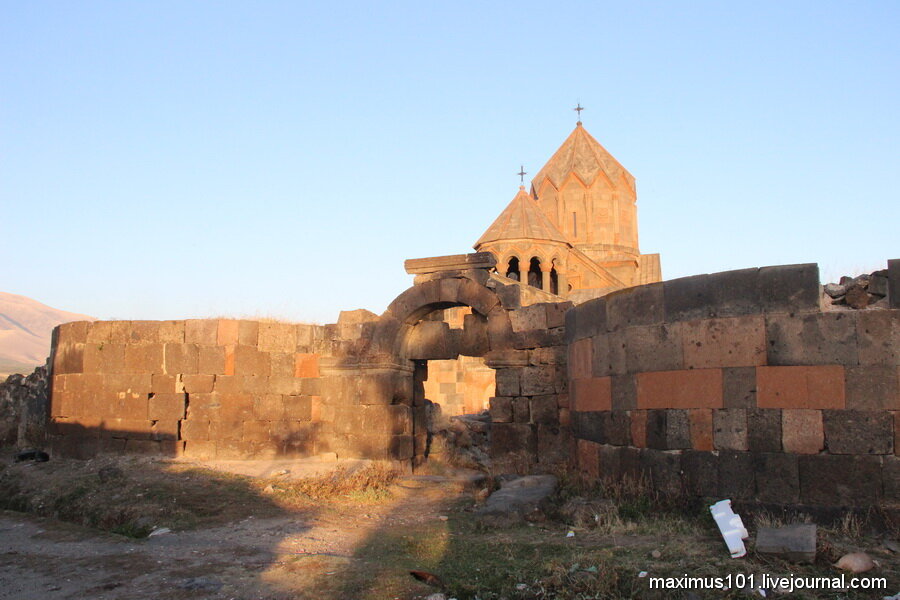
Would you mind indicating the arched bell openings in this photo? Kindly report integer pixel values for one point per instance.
(512, 268)
(535, 278)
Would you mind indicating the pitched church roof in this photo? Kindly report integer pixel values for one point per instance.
(522, 218)
(583, 155)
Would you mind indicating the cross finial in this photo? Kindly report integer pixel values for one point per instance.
(578, 108)
(522, 174)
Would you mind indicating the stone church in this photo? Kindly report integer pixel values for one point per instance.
(575, 234)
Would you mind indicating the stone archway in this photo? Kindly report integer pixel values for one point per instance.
(518, 330)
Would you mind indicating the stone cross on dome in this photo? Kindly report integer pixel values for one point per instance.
(578, 108)
(522, 173)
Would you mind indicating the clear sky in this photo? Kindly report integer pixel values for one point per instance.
(188, 159)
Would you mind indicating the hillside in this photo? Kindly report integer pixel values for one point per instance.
(25, 329)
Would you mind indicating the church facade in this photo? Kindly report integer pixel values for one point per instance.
(575, 232)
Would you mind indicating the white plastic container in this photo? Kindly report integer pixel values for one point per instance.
(731, 527)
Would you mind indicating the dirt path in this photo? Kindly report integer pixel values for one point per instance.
(307, 555)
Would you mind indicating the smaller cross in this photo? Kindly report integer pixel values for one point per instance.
(578, 108)
(522, 174)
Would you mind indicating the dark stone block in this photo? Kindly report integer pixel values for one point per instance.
(630, 462)
(789, 288)
(656, 429)
(736, 480)
(591, 318)
(735, 293)
(501, 409)
(590, 426)
(510, 296)
(777, 478)
(873, 387)
(764, 430)
(858, 431)
(520, 411)
(701, 473)
(689, 298)
(668, 429)
(812, 339)
(509, 438)
(891, 475)
(508, 382)
(840, 480)
(654, 348)
(572, 325)
(894, 283)
(794, 543)
(730, 429)
(544, 410)
(611, 462)
(640, 305)
(739, 387)
(624, 392)
(878, 337)
(618, 428)
(663, 469)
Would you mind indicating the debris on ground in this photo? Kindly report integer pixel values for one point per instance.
(518, 499)
(32, 454)
(856, 562)
(428, 578)
(795, 543)
(731, 527)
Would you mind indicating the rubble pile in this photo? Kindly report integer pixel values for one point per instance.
(864, 291)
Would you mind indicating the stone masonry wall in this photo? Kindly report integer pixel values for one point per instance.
(203, 388)
(23, 409)
(737, 385)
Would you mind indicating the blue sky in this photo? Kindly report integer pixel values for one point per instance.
(188, 159)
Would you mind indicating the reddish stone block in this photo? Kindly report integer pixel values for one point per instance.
(204, 407)
(269, 407)
(212, 360)
(592, 394)
(732, 342)
(68, 358)
(235, 407)
(277, 337)
(200, 449)
(802, 387)
(165, 430)
(255, 385)
(697, 388)
(194, 430)
(701, 420)
(227, 430)
(639, 428)
(802, 431)
(227, 332)
(65, 404)
(299, 408)
(198, 384)
(282, 364)
(203, 332)
(171, 332)
(248, 333)
(166, 406)
(306, 365)
(229, 360)
(256, 431)
(589, 459)
(127, 406)
(128, 428)
(181, 358)
(580, 359)
(250, 361)
(166, 384)
(74, 332)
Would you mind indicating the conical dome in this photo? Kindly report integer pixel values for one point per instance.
(521, 219)
(582, 155)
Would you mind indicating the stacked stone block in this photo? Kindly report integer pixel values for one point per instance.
(203, 388)
(737, 385)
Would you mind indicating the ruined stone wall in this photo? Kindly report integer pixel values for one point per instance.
(23, 409)
(203, 388)
(462, 386)
(739, 385)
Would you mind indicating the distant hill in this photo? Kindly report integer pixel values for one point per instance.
(25, 329)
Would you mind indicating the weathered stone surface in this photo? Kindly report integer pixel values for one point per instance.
(624, 392)
(689, 298)
(873, 387)
(736, 475)
(802, 431)
(501, 409)
(701, 473)
(639, 305)
(201, 331)
(730, 342)
(878, 337)
(668, 429)
(476, 260)
(858, 432)
(812, 339)
(544, 410)
(580, 359)
(509, 438)
(536, 381)
(764, 430)
(789, 288)
(654, 348)
(590, 319)
(840, 480)
(894, 282)
(431, 340)
(739, 387)
(697, 388)
(795, 543)
(730, 429)
(777, 478)
(800, 387)
(529, 317)
(590, 426)
(617, 428)
(508, 383)
(663, 469)
(517, 499)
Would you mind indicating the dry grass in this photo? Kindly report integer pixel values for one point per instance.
(371, 483)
